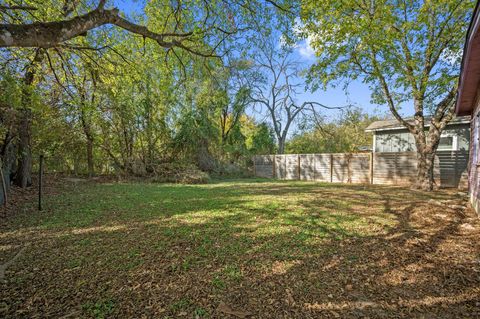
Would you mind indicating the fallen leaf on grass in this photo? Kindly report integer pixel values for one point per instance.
(223, 307)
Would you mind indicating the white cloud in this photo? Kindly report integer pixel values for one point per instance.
(305, 49)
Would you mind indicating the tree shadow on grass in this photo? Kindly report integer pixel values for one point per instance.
(325, 251)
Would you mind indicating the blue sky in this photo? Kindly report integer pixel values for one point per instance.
(358, 93)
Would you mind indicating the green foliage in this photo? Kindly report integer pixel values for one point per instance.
(100, 309)
(412, 47)
(260, 139)
(11, 90)
(124, 104)
(179, 172)
(342, 136)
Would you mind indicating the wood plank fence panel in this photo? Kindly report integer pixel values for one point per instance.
(452, 168)
(322, 167)
(377, 168)
(280, 167)
(360, 168)
(263, 166)
(405, 168)
(307, 166)
(384, 168)
(340, 168)
(291, 167)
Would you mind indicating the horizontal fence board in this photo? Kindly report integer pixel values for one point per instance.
(450, 168)
(322, 167)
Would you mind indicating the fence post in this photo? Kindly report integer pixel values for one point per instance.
(371, 168)
(40, 176)
(274, 166)
(254, 166)
(395, 167)
(349, 168)
(298, 166)
(331, 168)
(314, 167)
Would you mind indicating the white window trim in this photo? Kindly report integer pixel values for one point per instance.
(374, 142)
(454, 141)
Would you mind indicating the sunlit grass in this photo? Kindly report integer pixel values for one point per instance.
(219, 234)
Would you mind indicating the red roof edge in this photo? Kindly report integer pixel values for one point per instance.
(470, 70)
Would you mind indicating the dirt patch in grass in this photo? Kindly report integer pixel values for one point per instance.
(253, 249)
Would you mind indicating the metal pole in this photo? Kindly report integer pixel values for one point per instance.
(40, 182)
(4, 185)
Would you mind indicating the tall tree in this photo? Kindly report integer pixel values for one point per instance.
(277, 88)
(407, 51)
(23, 176)
(195, 28)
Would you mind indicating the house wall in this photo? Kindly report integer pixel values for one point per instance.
(474, 167)
(403, 141)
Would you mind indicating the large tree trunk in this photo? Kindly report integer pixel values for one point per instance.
(425, 169)
(427, 144)
(87, 130)
(281, 138)
(23, 177)
(8, 156)
(91, 167)
(281, 146)
(205, 161)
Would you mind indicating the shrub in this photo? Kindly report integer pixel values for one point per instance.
(179, 173)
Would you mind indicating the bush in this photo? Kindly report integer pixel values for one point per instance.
(229, 170)
(179, 173)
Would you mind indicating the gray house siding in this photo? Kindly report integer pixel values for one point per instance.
(402, 141)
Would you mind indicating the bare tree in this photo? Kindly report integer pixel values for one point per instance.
(276, 92)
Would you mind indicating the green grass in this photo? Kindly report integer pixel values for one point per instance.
(100, 309)
(170, 249)
(230, 205)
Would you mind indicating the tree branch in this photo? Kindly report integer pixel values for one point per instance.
(52, 34)
(388, 95)
(19, 7)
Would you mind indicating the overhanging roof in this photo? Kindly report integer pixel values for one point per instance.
(470, 70)
(393, 124)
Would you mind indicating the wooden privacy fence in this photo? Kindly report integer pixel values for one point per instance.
(372, 168)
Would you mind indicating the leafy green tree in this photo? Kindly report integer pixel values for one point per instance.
(345, 135)
(407, 51)
(53, 36)
(259, 138)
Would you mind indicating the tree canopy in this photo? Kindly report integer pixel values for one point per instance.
(407, 51)
(103, 88)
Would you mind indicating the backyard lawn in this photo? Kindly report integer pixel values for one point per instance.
(242, 249)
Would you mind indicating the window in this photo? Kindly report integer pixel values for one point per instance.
(446, 143)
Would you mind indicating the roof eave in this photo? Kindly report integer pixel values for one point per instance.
(470, 68)
(401, 127)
